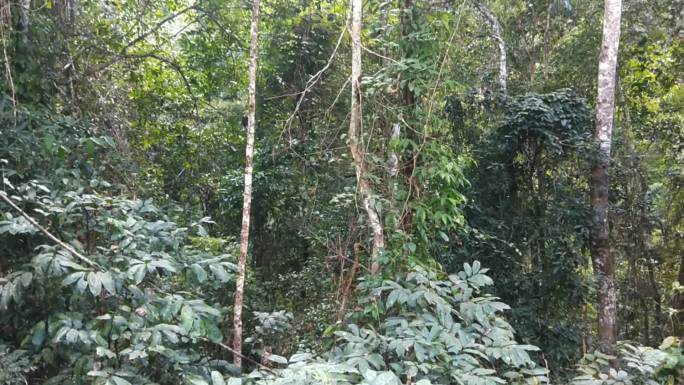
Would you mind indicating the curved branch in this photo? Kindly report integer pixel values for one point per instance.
(123, 52)
(175, 66)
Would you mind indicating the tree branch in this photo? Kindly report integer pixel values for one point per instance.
(42, 229)
(140, 38)
(228, 348)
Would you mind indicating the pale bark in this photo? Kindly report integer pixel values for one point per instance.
(603, 260)
(393, 162)
(24, 21)
(355, 147)
(247, 194)
(384, 20)
(497, 35)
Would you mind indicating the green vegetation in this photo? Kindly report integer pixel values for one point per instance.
(431, 221)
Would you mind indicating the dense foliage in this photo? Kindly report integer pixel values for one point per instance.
(122, 136)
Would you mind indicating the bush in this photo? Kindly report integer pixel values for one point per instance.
(634, 365)
(429, 331)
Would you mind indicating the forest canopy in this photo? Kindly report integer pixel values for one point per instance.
(348, 192)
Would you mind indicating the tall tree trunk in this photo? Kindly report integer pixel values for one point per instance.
(247, 194)
(603, 260)
(497, 35)
(355, 124)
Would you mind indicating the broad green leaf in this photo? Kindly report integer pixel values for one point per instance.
(200, 274)
(119, 381)
(94, 283)
(277, 359)
(217, 378)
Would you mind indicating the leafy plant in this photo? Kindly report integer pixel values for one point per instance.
(430, 330)
(634, 365)
(14, 366)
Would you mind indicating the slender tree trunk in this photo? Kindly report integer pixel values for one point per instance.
(603, 260)
(247, 194)
(658, 306)
(678, 304)
(649, 252)
(409, 159)
(547, 30)
(384, 20)
(497, 35)
(355, 147)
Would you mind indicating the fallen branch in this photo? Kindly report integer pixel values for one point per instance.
(42, 229)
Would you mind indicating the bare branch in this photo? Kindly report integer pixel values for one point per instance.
(42, 229)
(140, 38)
(312, 81)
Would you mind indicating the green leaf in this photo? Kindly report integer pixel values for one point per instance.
(108, 282)
(82, 285)
(119, 381)
(73, 277)
(104, 352)
(213, 332)
(277, 359)
(219, 272)
(38, 334)
(217, 378)
(166, 265)
(98, 373)
(200, 274)
(420, 352)
(193, 379)
(94, 283)
(187, 317)
(300, 357)
(137, 272)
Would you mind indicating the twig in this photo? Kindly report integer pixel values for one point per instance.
(370, 51)
(124, 51)
(175, 66)
(228, 348)
(346, 291)
(313, 80)
(67, 247)
(337, 97)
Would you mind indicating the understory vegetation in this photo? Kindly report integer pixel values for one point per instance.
(424, 205)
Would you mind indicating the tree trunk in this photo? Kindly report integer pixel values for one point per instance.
(678, 303)
(355, 147)
(603, 261)
(408, 160)
(498, 37)
(547, 31)
(247, 194)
